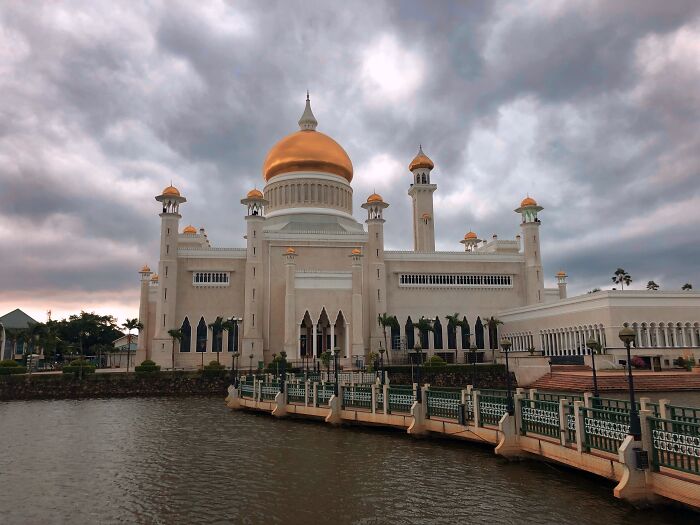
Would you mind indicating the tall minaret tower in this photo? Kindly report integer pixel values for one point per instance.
(170, 200)
(534, 279)
(376, 280)
(142, 344)
(422, 193)
(254, 282)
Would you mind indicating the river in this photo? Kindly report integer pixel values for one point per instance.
(191, 460)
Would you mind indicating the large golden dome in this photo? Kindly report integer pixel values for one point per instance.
(307, 150)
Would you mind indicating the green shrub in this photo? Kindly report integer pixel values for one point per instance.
(8, 363)
(434, 361)
(214, 369)
(147, 367)
(78, 367)
(7, 369)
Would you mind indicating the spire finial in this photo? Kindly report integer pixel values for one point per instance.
(308, 122)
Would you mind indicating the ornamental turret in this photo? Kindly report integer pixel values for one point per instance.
(530, 226)
(421, 191)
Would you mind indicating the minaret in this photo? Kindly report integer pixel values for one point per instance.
(254, 282)
(376, 280)
(170, 200)
(291, 340)
(530, 225)
(470, 241)
(561, 283)
(142, 345)
(422, 193)
(357, 313)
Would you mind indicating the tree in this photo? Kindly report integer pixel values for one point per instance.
(326, 360)
(455, 321)
(424, 326)
(13, 335)
(651, 285)
(687, 286)
(176, 335)
(217, 332)
(387, 321)
(492, 324)
(129, 325)
(622, 278)
(594, 290)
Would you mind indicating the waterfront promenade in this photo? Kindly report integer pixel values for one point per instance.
(582, 432)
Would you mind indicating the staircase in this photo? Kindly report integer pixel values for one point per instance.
(663, 382)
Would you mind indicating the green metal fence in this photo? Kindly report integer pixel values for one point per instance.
(683, 414)
(675, 445)
(357, 396)
(604, 429)
(324, 392)
(443, 403)
(248, 389)
(296, 392)
(401, 399)
(269, 390)
(571, 424)
(491, 408)
(555, 398)
(469, 408)
(540, 417)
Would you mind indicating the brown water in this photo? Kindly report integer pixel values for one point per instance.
(192, 460)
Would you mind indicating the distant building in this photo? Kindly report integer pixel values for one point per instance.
(117, 359)
(14, 320)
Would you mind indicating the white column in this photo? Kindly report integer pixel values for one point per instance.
(683, 338)
(315, 339)
(658, 335)
(332, 336)
(693, 337)
(639, 335)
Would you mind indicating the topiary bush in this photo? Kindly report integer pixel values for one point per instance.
(434, 361)
(78, 367)
(214, 369)
(147, 367)
(11, 367)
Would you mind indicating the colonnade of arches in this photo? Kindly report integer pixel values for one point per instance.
(202, 338)
(666, 334)
(571, 340)
(318, 334)
(445, 335)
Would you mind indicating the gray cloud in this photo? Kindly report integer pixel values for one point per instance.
(592, 107)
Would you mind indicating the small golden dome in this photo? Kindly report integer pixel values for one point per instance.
(145, 269)
(425, 216)
(307, 150)
(561, 274)
(356, 251)
(528, 201)
(171, 190)
(375, 197)
(291, 250)
(255, 194)
(470, 235)
(421, 160)
(155, 277)
(189, 229)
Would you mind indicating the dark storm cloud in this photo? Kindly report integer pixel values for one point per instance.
(592, 107)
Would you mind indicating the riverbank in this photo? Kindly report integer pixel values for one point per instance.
(61, 386)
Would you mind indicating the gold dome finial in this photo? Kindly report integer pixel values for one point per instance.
(189, 229)
(421, 160)
(308, 122)
(528, 201)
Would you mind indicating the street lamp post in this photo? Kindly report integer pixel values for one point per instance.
(595, 347)
(283, 371)
(627, 336)
(472, 353)
(336, 355)
(505, 345)
(419, 357)
(251, 363)
(234, 372)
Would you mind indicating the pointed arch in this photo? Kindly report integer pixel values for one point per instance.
(437, 334)
(232, 343)
(466, 334)
(451, 335)
(395, 336)
(410, 334)
(186, 341)
(479, 333)
(201, 335)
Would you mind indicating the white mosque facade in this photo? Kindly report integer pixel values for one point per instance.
(311, 277)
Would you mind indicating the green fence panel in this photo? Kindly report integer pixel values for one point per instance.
(324, 392)
(269, 391)
(296, 392)
(491, 409)
(540, 417)
(675, 445)
(401, 399)
(604, 429)
(357, 397)
(443, 403)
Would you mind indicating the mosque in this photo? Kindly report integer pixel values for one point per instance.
(311, 277)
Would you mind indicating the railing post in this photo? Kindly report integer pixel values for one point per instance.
(385, 405)
(475, 406)
(533, 394)
(374, 398)
(578, 423)
(643, 402)
(563, 421)
(663, 408)
(306, 393)
(315, 399)
(647, 443)
(587, 399)
(519, 410)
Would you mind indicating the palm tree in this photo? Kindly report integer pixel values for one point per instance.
(217, 331)
(492, 324)
(385, 321)
(176, 335)
(129, 325)
(455, 321)
(651, 285)
(622, 278)
(687, 286)
(13, 335)
(424, 326)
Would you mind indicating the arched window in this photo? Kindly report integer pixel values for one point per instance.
(451, 335)
(479, 333)
(493, 336)
(396, 337)
(232, 343)
(437, 333)
(185, 342)
(410, 334)
(201, 336)
(216, 339)
(466, 336)
(424, 340)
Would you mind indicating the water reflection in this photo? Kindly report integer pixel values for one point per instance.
(194, 461)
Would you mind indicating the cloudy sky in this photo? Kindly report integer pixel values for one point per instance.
(591, 107)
